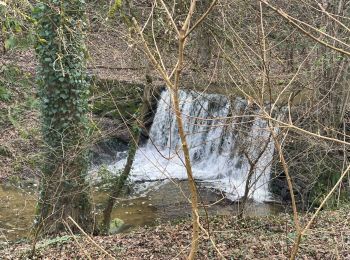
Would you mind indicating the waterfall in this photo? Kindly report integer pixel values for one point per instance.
(221, 135)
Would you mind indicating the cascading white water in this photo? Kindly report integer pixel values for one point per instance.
(222, 135)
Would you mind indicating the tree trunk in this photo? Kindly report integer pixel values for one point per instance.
(185, 148)
(63, 90)
(204, 42)
(120, 181)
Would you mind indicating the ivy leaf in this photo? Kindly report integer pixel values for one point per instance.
(64, 96)
(10, 43)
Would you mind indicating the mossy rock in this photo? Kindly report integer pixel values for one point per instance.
(116, 225)
(115, 99)
(107, 150)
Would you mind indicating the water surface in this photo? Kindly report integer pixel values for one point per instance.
(165, 201)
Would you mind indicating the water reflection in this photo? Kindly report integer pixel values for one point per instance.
(17, 208)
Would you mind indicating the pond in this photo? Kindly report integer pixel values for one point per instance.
(162, 202)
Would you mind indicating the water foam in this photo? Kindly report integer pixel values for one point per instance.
(219, 145)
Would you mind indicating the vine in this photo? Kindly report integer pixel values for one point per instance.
(63, 90)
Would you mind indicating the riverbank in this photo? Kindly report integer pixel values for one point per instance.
(269, 237)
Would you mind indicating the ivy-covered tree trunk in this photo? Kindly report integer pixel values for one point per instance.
(63, 90)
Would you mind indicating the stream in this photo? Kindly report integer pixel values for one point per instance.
(163, 202)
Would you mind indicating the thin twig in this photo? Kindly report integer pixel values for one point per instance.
(90, 239)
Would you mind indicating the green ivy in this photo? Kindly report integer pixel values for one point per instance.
(62, 79)
(63, 89)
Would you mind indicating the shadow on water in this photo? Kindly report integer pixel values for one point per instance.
(168, 201)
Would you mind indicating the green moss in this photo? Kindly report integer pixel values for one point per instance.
(115, 225)
(115, 99)
(327, 178)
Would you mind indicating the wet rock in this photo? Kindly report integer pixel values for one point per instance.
(107, 150)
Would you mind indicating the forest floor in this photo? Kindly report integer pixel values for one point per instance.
(252, 238)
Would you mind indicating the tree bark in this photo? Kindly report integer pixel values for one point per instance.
(185, 148)
(63, 89)
(120, 181)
